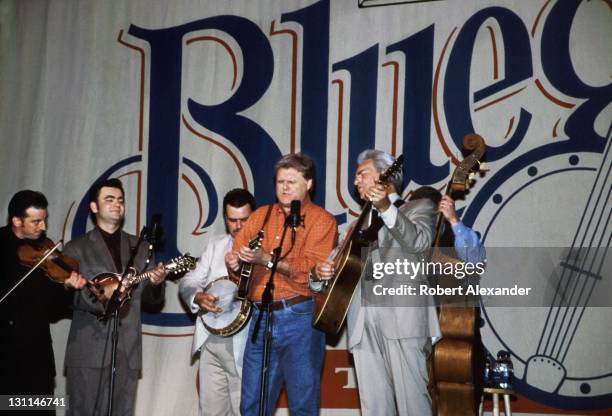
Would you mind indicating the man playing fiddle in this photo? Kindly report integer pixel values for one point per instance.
(27, 365)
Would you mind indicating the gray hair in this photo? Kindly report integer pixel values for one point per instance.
(382, 161)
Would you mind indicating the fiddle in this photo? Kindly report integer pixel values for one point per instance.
(57, 266)
(103, 286)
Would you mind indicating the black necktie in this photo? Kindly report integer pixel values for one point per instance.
(371, 233)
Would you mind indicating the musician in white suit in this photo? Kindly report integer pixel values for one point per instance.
(390, 345)
(220, 358)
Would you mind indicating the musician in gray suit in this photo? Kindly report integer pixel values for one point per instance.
(220, 357)
(104, 249)
(390, 344)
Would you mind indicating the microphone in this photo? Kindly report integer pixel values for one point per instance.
(294, 218)
(155, 232)
(144, 233)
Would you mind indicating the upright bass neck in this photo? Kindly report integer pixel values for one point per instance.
(462, 175)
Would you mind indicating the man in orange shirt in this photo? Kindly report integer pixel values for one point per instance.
(296, 356)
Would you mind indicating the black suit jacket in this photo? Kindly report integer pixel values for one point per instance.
(27, 365)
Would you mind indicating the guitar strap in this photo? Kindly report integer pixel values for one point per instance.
(267, 217)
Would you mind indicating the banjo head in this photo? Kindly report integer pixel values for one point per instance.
(234, 314)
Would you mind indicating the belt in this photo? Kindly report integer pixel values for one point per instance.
(284, 303)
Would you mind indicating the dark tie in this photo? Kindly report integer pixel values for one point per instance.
(371, 233)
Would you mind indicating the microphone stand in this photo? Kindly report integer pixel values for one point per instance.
(266, 305)
(115, 318)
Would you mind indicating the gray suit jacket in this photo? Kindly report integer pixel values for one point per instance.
(89, 341)
(411, 234)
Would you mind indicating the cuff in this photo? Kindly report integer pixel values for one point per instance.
(389, 216)
(195, 308)
(459, 228)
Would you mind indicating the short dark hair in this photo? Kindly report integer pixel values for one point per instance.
(426, 192)
(298, 161)
(94, 191)
(237, 198)
(22, 200)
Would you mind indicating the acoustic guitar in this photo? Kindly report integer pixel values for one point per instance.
(333, 301)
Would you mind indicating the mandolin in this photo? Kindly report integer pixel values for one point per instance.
(106, 284)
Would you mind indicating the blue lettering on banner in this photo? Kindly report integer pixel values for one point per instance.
(226, 119)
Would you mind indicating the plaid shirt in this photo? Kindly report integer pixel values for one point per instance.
(314, 240)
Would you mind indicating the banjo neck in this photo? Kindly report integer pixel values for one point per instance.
(244, 279)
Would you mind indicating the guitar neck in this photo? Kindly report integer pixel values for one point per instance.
(363, 216)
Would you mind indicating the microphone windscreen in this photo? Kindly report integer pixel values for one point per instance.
(155, 229)
(295, 213)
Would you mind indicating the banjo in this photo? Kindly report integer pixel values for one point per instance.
(232, 299)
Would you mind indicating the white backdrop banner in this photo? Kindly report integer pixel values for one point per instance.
(185, 100)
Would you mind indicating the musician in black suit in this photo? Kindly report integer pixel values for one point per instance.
(220, 357)
(27, 365)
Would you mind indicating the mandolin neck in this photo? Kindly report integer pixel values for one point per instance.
(134, 280)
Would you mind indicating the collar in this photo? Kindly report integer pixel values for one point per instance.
(109, 235)
(393, 197)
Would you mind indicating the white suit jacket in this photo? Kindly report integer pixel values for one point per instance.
(210, 267)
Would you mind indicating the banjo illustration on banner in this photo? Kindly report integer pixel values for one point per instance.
(561, 358)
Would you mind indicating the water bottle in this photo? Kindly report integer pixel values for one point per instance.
(487, 373)
(503, 371)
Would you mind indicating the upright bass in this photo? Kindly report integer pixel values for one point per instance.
(455, 359)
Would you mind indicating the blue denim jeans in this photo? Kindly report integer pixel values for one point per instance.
(296, 358)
